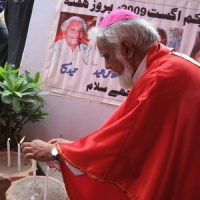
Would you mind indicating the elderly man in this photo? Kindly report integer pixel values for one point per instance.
(74, 30)
(69, 53)
(149, 148)
(71, 47)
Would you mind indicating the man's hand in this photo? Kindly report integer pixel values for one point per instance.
(60, 140)
(38, 150)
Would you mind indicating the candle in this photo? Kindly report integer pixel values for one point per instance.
(19, 154)
(46, 183)
(19, 157)
(8, 152)
(34, 173)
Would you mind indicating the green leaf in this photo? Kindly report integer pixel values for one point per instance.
(28, 77)
(16, 105)
(19, 83)
(30, 93)
(38, 108)
(38, 85)
(6, 93)
(19, 94)
(7, 85)
(27, 86)
(37, 76)
(4, 86)
(16, 72)
(44, 115)
(1, 70)
(7, 99)
(39, 99)
(7, 80)
(26, 99)
(9, 67)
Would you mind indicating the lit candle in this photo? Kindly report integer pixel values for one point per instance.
(8, 152)
(34, 172)
(46, 183)
(19, 154)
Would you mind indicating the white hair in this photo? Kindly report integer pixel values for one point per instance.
(66, 23)
(141, 33)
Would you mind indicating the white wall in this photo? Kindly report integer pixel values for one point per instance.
(69, 117)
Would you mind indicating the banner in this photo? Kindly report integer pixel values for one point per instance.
(74, 69)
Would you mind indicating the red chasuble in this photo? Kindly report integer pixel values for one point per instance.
(149, 149)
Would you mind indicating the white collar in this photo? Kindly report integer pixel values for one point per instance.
(140, 70)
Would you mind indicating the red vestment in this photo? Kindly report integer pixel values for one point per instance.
(149, 149)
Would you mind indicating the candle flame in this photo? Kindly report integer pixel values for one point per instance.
(8, 139)
(22, 140)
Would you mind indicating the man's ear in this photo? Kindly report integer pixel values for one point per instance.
(127, 48)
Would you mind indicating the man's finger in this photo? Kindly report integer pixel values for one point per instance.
(29, 156)
(26, 150)
(25, 144)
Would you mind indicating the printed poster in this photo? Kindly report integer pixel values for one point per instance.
(73, 68)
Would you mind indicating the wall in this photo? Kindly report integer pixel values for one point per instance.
(72, 118)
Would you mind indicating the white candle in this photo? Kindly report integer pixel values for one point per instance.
(19, 162)
(34, 172)
(8, 152)
(19, 157)
(46, 183)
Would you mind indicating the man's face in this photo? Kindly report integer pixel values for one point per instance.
(111, 62)
(74, 33)
(119, 66)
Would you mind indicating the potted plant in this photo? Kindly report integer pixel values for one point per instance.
(20, 102)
